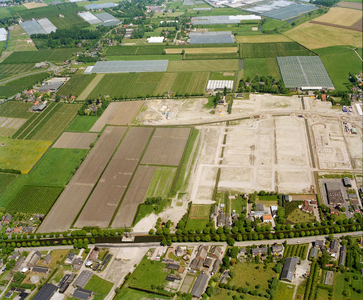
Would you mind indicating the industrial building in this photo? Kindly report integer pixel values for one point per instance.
(334, 193)
(219, 85)
(213, 37)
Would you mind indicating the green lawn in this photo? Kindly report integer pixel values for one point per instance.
(340, 284)
(272, 24)
(55, 169)
(98, 285)
(284, 291)
(145, 210)
(221, 76)
(237, 205)
(322, 294)
(6, 180)
(82, 123)
(131, 294)
(200, 211)
(339, 61)
(268, 198)
(147, 274)
(194, 224)
(298, 216)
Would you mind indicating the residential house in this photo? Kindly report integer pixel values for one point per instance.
(34, 260)
(196, 264)
(69, 258)
(28, 229)
(7, 219)
(273, 209)
(47, 259)
(277, 249)
(202, 252)
(77, 263)
(334, 246)
(216, 252)
(267, 218)
(319, 244)
(15, 256)
(18, 229)
(207, 263)
(259, 251)
(307, 209)
(313, 252)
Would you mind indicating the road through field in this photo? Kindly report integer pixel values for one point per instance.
(90, 87)
(114, 181)
(70, 202)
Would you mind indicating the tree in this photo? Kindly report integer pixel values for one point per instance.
(151, 231)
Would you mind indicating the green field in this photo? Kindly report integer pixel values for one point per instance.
(339, 61)
(49, 124)
(6, 179)
(52, 55)
(75, 85)
(200, 211)
(55, 169)
(272, 24)
(98, 285)
(221, 76)
(68, 10)
(15, 109)
(21, 155)
(18, 40)
(82, 123)
(203, 65)
(8, 70)
(145, 57)
(18, 85)
(210, 56)
(161, 182)
(135, 50)
(4, 13)
(265, 50)
(284, 291)
(148, 273)
(34, 199)
(190, 82)
(340, 285)
(262, 67)
(297, 250)
(196, 224)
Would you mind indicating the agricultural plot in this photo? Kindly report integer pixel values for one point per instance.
(190, 82)
(261, 67)
(202, 50)
(203, 65)
(19, 41)
(15, 109)
(6, 180)
(114, 85)
(135, 195)
(200, 211)
(135, 50)
(52, 55)
(314, 36)
(18, 85)
(296, 250)
(118, 113)
(82, 123)
(339, 61)
(340, 16)
(289, 12)
(274, 50)
(8, 126)
(353, 4)
(158, 154)
(21, 155)
(75, 140)
(55, 169)
(75, 194)
(34, 199)
(264, 38)
(301, 71)
(8, 70)
(99, 286)
(75, 85)
(161, 182)
(54, 124)
(166, 83)
(145, 84)
(114, 181)
(89, 88)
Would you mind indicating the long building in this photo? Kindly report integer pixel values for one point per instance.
(288, 270)
(200, 285)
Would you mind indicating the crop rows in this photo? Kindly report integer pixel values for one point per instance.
(296, 250)
(311, 284)
(265, 50)
(56, 55)
(76, 85)
(206, 56)
(10, 69)
(53, 125)
(14, 109)
(34, 199)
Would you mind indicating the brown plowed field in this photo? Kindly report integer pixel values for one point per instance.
(354, 5)
(134, 196)
(166, 147)
(75, 140)
(118, 113)
(106, 196)
(353, 27)
(70, 202)
(357, 25)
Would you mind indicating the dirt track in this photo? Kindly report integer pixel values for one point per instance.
(75, 140)
(166, 146)
(353, 27)
(70, 202)
(134, 196)
(118, 113)
(113, 183)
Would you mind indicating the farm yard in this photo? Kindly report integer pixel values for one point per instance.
(76, 192)
(34, 199)
(115, 180)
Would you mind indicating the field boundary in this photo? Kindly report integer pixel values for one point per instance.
(335, 25)
(87, 91)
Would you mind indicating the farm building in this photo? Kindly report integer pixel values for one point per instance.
(47, 259)
(342, 254)
(219, 85)
(267, 218)
(83, 278)
(130, 66)
(216, 265)
(50, 87)
(40, 269)
(69, 258)
(334, 246)
(3, 34)
(333, 191)
(259, 251)
(215, 37)
(199, 285)
(40, 65)
(347, 182)
(34, 260)
(82, 294)
(208, 20)
(155, 39)
(202, 252)
(314, 253)
(216, 252)
(288, 269)
(277, 249)
(46, 292)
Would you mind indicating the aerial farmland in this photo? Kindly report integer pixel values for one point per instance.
(165, 149)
